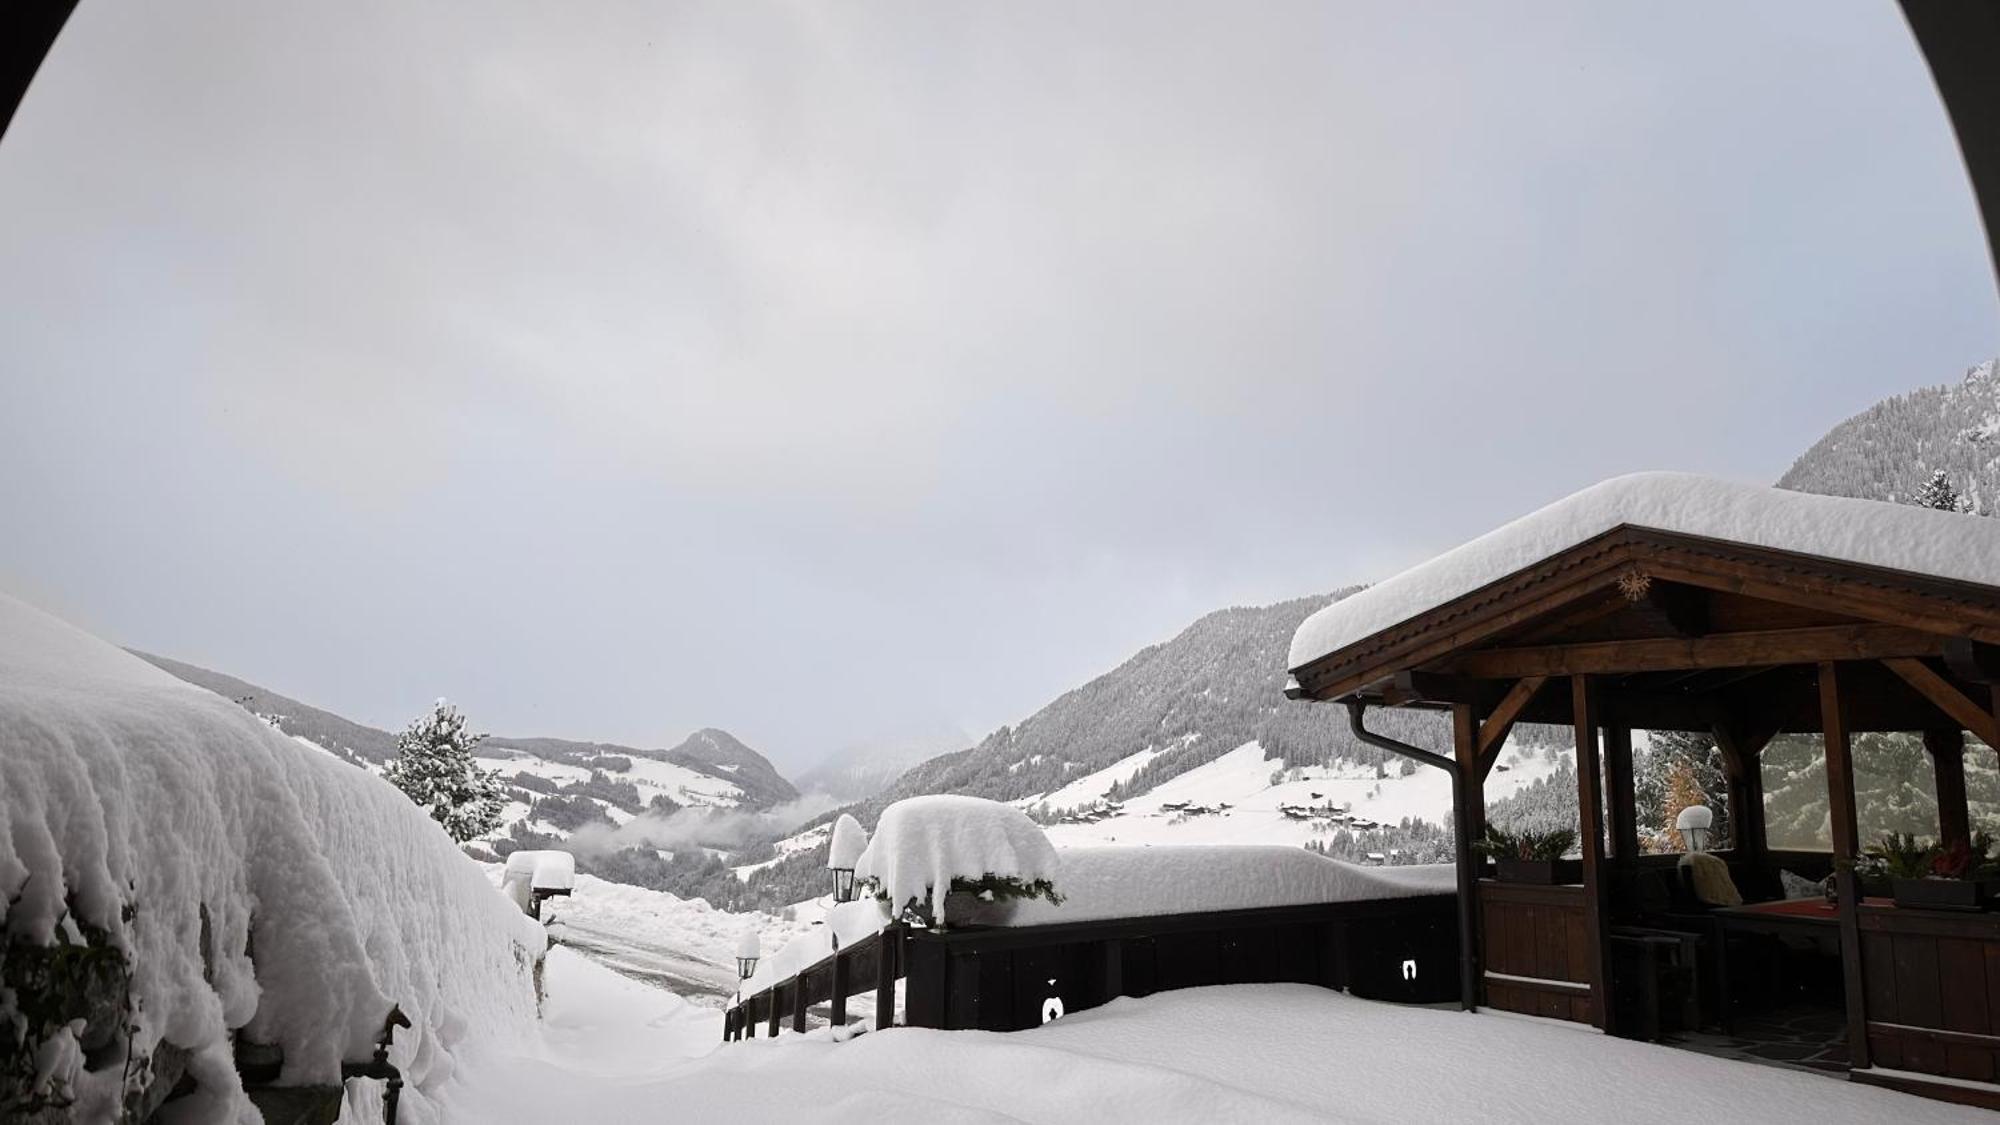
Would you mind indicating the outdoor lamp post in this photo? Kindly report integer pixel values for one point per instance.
(1694, 824)
(747, 950)
(843, 855)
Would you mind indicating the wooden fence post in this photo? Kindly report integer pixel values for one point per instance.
(837, 1003)
(888, 950)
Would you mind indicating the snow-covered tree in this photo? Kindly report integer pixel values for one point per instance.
(1938, 493)
(1683, 792)
(434, 767)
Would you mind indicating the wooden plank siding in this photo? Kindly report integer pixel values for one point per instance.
(1933, 992)
(1538, 950)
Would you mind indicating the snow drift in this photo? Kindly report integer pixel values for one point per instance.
(192, 834)
(1123, 882)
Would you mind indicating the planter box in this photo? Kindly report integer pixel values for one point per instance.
(1541, 872)
(1947, 894)
(962, 908)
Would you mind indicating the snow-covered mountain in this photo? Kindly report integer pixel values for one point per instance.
(1172, 707)
(1889, 450)
(556, 786)
(860, 771)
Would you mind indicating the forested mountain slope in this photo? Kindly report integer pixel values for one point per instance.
(1889, 450)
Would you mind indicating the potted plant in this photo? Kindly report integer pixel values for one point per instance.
(1532, 857)
(1963, 876)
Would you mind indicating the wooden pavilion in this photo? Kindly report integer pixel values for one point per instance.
(1674, 603)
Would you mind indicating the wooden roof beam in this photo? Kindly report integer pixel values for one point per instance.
(1972, 661)
(1493, 732)
(1727, 650)
(1962, 709)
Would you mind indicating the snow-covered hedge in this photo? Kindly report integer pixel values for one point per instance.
(188, 833)
(925, 845)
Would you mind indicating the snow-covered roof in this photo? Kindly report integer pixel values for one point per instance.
(1870, 532)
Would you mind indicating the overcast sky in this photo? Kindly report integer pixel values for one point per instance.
(826, 372)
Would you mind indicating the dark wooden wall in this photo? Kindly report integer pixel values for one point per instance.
(1543, 936)
(1932, 981)
(1000, 980)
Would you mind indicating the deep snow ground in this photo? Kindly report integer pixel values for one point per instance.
(616, 1050)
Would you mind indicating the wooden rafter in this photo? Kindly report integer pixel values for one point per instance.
(1493, 732)
(1961, 708)
(1728, 650)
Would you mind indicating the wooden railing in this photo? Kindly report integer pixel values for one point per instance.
(875, 960)
(998, 978)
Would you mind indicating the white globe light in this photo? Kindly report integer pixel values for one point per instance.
(1694, 824)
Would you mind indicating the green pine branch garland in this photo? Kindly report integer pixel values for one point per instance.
(987, 888)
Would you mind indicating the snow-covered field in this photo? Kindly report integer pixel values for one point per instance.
(1242, 780)
(615, 1051)
(650, 775)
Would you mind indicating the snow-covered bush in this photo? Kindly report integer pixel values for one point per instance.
(927, 847)
(246, 883)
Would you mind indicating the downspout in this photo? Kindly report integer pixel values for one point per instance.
(1461, 819)
(1357, 709)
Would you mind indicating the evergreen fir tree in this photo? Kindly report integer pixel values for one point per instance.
(1668, 753)
(434, 767)
(1938, 493)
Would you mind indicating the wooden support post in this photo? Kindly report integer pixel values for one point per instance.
(1624, 803)
(1466, 823)
(1113, 979)
(1590, 830)
(799, 1003)
(1947, 751)
(1742, 760)
(837, 1003)
(1846, 847)
(771, 998)
(888, 950)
